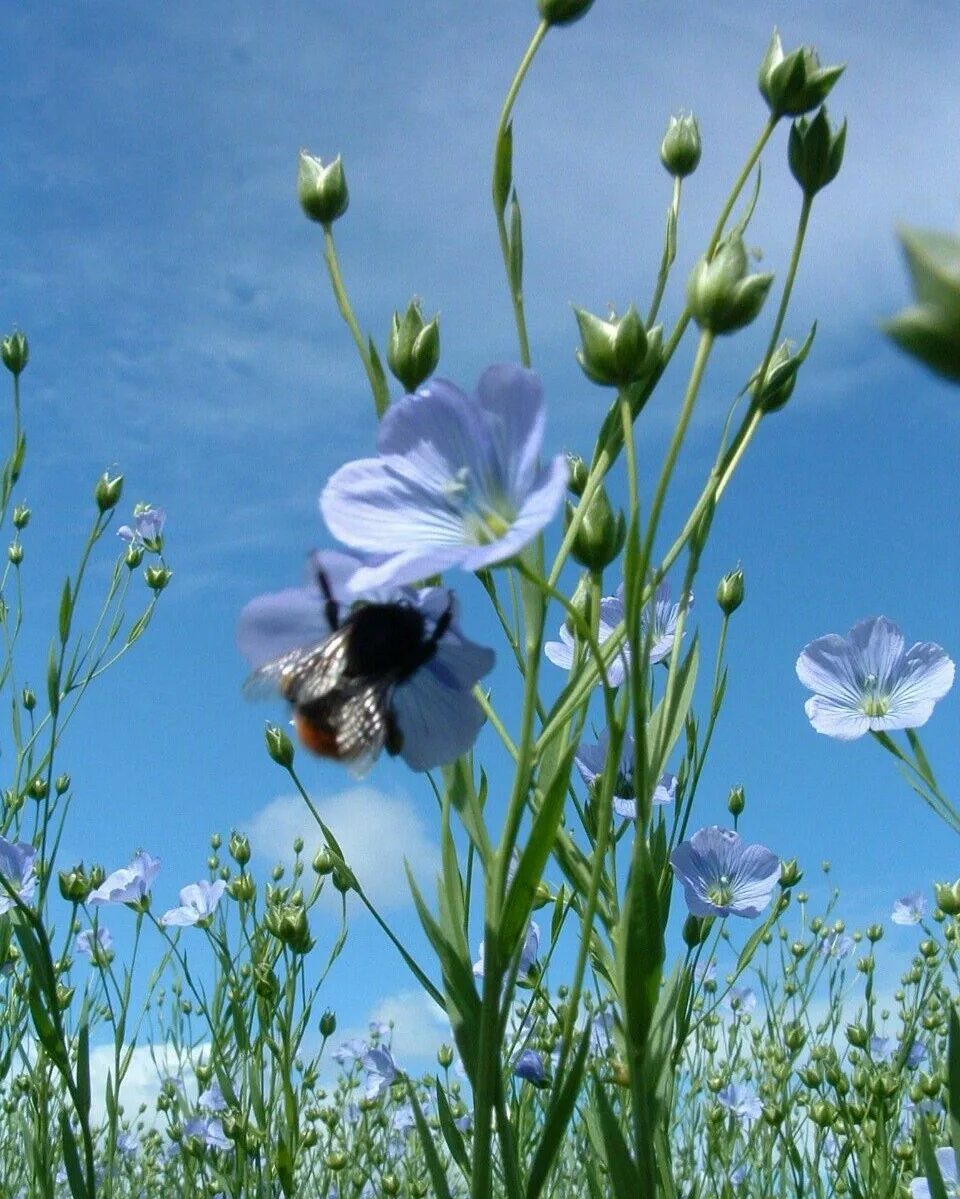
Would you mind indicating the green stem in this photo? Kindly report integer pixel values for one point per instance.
(516, 291)
(669, 251)
(740, 182)
(378, 385)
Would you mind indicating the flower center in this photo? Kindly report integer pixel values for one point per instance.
(484, 519)
(874, 702)
(720, 891)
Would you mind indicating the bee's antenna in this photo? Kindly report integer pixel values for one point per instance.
(331, 609)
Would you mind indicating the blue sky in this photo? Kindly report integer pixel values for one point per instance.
(182, 330)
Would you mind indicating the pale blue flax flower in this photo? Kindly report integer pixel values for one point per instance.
(946, 1160)
(664, 613)
(591, 759)
(147, 529)
(381, 1070)
(129, 884)
(722, 876)
(434, 709)
(741, 1102)
(458, 481)
(869, 681)
(198, 902)
(18, 867)
(209, 1131)
(96, 946)
(529, 1066)
(836, 945)
(910, 909)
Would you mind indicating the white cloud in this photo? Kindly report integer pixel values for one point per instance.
(141, 1083)
(376, 832)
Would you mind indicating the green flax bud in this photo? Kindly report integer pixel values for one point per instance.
(722, 296)
(322, 190)
(736, 801)
(563, 12)
(413, 347)
(930, 329)
(107, 492)
(328, 1023)
(681, 147)
(815, 151)
(279, 746)
(613, 351)
(15, 352)
(601, 534)
(730, 591)
(794, 83)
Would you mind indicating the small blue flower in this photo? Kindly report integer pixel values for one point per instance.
(198, 902)
(458, 481)
(212, 1099)
(147, 527)
(666, 615)
(741, 1102)
(127, 1142)
(722, 876)
(910, 909)
(95, 947)
(529, 1066)
(741, 1000)
(869, 681)
(381, 1070)
(350, 1051)
(209, 1131)
(915, 1055)
(528, 953)
(601, 1028)
(836, 945)
(130, 884)
(434, 708)
(403, 1119)
(591, 760)
(18, 867)
(946, 1160)
(881, 1048)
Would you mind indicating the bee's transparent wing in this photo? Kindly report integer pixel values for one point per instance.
(302, 675)
(362, 723)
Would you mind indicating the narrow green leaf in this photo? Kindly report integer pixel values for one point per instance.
(462, 1001)
(53, 680)
(66, 611)
(516, 245)
(438, 1177)
(562, 1105)
(452, 1134)
(139, 626)
(953, 1083)
(83, 1069)
(623, 1175)
(929, 1159)
(750, 948)
(283, 1160)
(543, 835)
(71, 1159)
(381, 388)
(669, 717)
(503, 169)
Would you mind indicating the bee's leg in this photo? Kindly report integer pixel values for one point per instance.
(331, 609)
(443, 623)
(393, 742)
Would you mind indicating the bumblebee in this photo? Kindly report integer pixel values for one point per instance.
(342, 689)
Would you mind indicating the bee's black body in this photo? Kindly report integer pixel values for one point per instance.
(342, 689)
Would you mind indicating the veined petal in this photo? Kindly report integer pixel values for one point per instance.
(836, 718)
(828, 667)
(878, 646)
(512, 402)
(927, 673)
(440, 427)
(376, 504)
